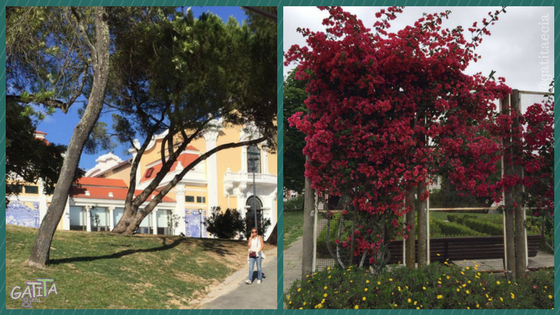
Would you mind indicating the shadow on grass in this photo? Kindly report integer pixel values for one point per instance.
(216, 246)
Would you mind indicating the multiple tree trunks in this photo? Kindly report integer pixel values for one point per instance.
(461, 248)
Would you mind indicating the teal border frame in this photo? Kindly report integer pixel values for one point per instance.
(279, 3)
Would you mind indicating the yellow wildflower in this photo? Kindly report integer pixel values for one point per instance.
(390, 279)
(365, 289)
(299, 289)
(498, 282)
(325, 295)
(550, 297)
(439, 296)
(423, 288)
(325, 287)
(409, 300)
(364, 298)
(468, 292)
(356, 307)
(367, 281)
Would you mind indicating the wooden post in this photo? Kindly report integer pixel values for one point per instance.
(422, 227)
(508, 199)
(520, 232)
(308, 219)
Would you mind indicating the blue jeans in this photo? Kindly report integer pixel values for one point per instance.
(252, 265)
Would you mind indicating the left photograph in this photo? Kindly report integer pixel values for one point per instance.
(141, 163)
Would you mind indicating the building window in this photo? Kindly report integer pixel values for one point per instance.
(200, 199)
(16, 189)
(149, 172)
(189, 198)
(31, 190)
(253, 159)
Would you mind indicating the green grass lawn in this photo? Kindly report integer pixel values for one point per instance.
(106, 271)
(293, 227)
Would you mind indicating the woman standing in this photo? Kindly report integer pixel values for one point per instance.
(256, 246)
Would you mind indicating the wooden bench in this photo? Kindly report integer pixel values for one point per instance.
(461, 248)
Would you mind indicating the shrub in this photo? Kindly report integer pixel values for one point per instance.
(452, 217)
(484, 226)
(433, 287)
(227, 224)
(250, 219)
(294, 204)
(322, 249)
(452, 229)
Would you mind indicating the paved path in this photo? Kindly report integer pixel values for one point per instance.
(235, 294)
(542, 259)
(292, 263)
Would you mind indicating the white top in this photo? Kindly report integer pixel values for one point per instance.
(255, 244)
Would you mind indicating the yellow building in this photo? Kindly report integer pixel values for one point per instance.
(222, 180)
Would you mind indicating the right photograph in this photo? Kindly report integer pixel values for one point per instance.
(418, 157)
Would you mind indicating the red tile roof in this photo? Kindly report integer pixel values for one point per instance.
(103, 182)
(99, 188)
(185, 159)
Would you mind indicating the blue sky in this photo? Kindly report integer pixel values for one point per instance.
(59, 126)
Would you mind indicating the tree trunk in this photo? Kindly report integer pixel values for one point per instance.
(129, 213)
(411, 240)
(308, 221)
(422, 227)
(41, 248)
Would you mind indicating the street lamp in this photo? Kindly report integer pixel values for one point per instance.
(253, 151)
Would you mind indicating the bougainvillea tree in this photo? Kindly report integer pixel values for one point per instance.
(538, 164)
(390, 109)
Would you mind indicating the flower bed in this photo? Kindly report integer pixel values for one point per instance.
(438, 286)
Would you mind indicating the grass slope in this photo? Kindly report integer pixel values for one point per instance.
(106, 271)
(293, 227)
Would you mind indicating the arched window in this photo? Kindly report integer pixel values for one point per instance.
(253, 159)
(249, 203)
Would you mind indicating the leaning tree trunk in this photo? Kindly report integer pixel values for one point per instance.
(100, 55)
(411, 239)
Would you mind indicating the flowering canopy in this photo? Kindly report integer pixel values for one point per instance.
(387, 109)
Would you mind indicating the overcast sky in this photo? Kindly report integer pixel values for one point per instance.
(514, 50)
